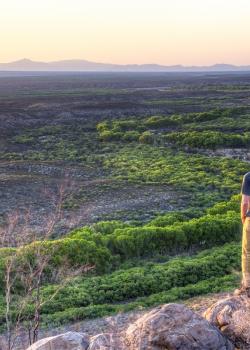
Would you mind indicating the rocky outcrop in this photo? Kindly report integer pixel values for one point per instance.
(170, 327)
(174, 327)
(106, 341)
(66, 341)
(232, 316)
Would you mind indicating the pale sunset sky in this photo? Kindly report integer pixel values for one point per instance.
(189, 32)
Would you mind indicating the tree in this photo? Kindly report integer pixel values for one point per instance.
(27, 270)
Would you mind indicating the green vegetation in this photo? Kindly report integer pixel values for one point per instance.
(207, 180)
(113, 247)
(141, 129)
(208, 139)
(128, 284)
(148, 150)
(220, 225)
(152, 284)
(146, 137)
(190, 250)
(108, 244)
(176, 294)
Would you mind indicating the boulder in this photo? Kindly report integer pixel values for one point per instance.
(105, 341)
(175, 327)
(169, 327)
(232, 316)
(66, 341)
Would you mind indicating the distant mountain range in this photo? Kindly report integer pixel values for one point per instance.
(87, 66)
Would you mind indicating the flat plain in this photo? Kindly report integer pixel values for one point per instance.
(151, 165)
(48, 130)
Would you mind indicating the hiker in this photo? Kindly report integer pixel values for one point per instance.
(245, 218)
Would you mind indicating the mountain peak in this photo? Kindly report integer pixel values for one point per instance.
(25, 60)
(79, 65)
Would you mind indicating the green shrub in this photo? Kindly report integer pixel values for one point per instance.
(103, 126)
(108, 135)
(223, 207)
(146, 241)
(180, 278)
(144, 281)
(211, 285)
(167, 219)
(70, 251)
(131, 136)
(207, 139)
(200, 233)
(170, 235)
(160, 122)
(25, 139)
(124, 125)
(146, 137)
(108, 227)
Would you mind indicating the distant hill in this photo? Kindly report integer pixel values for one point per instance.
(83, 65)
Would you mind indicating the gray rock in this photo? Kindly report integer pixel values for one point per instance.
(66, 341)
(232, 316)
(175, 327)
(105, 341)
(170, 327)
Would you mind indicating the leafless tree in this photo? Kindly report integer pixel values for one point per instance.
(30, 271)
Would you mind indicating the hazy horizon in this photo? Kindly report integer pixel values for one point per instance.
(133, 32)
(115, 63)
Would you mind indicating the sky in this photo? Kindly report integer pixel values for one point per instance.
(189, 32)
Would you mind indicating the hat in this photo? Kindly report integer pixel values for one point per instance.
(245, 188)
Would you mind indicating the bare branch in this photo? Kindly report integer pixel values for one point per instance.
(30, 272)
